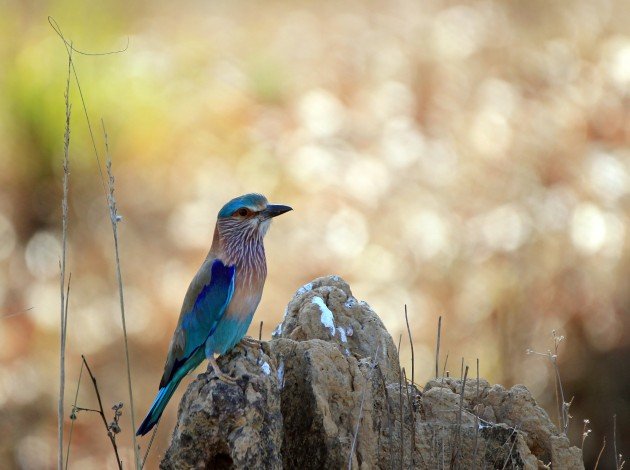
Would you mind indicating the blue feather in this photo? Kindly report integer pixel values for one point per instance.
(198, 325)
(251, 201)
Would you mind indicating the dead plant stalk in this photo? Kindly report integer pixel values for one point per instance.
(115, 218)
(100, 411)
(62, 266)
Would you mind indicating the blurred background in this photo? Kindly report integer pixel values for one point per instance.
(468, 159)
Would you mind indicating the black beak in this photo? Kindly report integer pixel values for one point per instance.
(274, 210)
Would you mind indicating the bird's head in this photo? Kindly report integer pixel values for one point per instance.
(248, 215)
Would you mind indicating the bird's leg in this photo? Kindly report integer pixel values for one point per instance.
(220, 374)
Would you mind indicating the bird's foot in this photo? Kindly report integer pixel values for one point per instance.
(250, 342)
(222, 376)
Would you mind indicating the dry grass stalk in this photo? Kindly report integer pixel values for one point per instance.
(456, 447)
(69, 49)
(562, 405)
(445, 373)
(402, 421)
(73, 415)
(413, 419)
(71, 67)
(437, 349)
(619, 461)
(115, 218)
(476, 444)
(477, 395)
(585, 433)
(389, 420)
(413, 365)
(110, 432)
(599, 456)
(62, 265)
(365, 387)
(514, 439)
(146, 453)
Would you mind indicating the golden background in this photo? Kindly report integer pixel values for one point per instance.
(467, 159)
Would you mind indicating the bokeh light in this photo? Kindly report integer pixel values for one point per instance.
(467, 159)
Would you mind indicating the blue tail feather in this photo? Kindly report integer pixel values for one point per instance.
(166, 392)
(157, 408)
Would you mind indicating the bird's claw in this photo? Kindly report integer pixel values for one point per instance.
(250, 342)
(225, 378)
(222, 376)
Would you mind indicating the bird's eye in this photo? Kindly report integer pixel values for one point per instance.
(243, 212)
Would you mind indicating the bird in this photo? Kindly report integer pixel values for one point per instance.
(222, 297)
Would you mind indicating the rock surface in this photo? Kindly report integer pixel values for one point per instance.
(327, 391)
(222, 425)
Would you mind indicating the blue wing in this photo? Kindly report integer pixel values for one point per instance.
(204, 306)
(200, 321)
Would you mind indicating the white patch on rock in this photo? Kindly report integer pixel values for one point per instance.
(327, 318)
(280, 373)
(342, 334)
(304, 288)
(351, 302)
(265, 368)
(349, 330)
(344, 339)
(278, 330)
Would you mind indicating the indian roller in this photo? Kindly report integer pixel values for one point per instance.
(222, 297)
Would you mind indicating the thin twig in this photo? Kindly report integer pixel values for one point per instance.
(57, 29)
(413, 366)
(102, 413)
(62, 266)
(555, 388)
(413, 419)
(601, 451)
(619, 462)
(585, 433)
(507, 459)
(146, 454)
(476, 443)
(456, 449)
(402, 427)
(14, 314)
(565, 406)
(445, 363)
(461, 370)
(615, 440)
(437, 349)
(562, 406)
(389, 421)
(260, 331)
(92, 410)
(365, 387)
(476, 420)
(477, 379)
(115, 218)
(65, 322)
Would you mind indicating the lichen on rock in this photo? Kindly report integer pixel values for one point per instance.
(327, 391)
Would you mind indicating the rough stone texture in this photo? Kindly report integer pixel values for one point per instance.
(223, 426)
(327, 390)
(358, 331)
